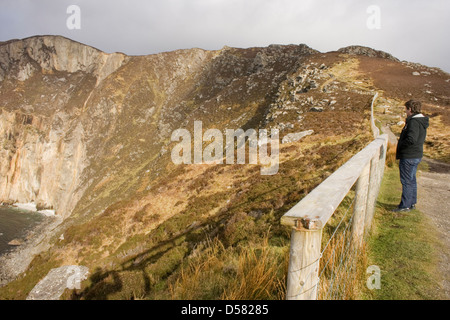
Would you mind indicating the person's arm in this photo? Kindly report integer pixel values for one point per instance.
(412, 133)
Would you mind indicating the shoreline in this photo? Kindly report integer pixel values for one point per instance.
(31, 206)
(36, 240)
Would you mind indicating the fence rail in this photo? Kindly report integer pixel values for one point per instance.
(308, 217)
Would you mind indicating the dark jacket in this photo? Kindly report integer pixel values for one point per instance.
(410, 144)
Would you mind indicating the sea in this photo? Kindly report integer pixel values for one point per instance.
(14, 224)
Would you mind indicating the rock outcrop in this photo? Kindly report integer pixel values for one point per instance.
(44, 82)
(52, 286)
(47, 53)
(293, 137)
(366, 51)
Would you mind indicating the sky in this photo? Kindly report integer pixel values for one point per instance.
(411, 30)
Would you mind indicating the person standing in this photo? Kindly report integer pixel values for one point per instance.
(410, 153)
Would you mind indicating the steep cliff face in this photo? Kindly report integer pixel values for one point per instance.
(44, 83)
(21, 59)
(41, 160)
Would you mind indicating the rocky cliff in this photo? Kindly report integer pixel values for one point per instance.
(79, 124)
(88, 134)
(45, 82)
(74, 119)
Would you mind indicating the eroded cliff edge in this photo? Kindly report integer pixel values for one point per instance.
(44, 83)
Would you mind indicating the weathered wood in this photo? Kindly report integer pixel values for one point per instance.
(372, 192)
(375, 130)
(303, 273)
(383, 152)
(376, 175)
(310, 215)
(314, 210)
(359, 209)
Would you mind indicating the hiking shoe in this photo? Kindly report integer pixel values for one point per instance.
(413, 207)
(401, 210)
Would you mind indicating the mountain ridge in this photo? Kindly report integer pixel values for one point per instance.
(88, 134)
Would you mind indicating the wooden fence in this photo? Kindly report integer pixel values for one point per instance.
(308, 217)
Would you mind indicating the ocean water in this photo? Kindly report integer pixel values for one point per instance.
(14, 224)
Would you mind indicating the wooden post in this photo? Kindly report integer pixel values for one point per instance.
(383, 151)
(372, 193)
(359, 210)
(311, 214)
(376, 176)
(303, 273)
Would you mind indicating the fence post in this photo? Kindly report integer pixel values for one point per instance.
(383, 152)
(306, 237)
(376, 176)
(372, 193)
(359, 209)
(303, 272)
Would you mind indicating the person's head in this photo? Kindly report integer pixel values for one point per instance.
(413, 107)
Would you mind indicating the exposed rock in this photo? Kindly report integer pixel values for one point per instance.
(292, 137)
(56, 53)
(283, 126)
(16, 242)
(260, 62)
(316, 109)
(366, 51)
(34, 157)
(58, 280)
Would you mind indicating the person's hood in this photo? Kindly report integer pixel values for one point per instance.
(424, 121)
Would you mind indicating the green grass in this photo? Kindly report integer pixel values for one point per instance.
(404, 246)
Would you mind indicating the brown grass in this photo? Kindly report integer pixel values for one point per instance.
(391, 154)
(342, 270)
(250, 273)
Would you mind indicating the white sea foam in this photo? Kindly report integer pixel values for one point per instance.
(30, 206)
(48, 213)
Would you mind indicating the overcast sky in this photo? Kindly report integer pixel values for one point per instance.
(412, 30)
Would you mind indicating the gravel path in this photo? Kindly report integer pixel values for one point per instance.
(434, 201)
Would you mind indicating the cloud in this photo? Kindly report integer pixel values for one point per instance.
(410, 29)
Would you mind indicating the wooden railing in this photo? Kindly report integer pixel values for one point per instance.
(308, 217)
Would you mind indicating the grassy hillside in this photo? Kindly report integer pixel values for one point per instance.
(149, 229)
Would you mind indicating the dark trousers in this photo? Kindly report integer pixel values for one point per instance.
(408, 169)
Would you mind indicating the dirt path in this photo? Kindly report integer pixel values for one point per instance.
(433, 189)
